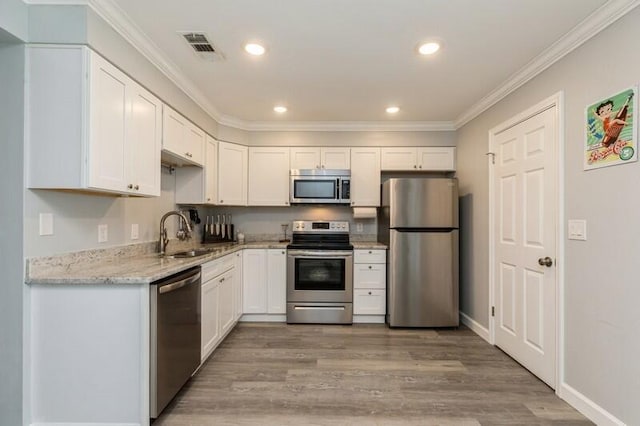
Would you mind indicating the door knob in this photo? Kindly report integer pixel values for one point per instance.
(545, 261)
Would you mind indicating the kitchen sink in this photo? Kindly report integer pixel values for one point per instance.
(190, 253)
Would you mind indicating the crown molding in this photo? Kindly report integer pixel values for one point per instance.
(351, 126)
(123, 25)
(597, 21)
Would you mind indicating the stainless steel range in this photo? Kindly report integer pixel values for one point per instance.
(320, 273)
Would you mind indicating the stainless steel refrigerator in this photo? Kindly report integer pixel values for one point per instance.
(418, 220)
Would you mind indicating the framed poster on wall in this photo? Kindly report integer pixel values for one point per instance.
(611, 130)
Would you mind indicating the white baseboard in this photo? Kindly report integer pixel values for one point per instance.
(263, 318)
(475, 326)
(84, 424)
(368, 319)
(590, 409)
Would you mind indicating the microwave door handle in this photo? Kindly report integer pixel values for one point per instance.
(337, 195)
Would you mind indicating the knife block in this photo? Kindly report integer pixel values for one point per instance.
(209, 237)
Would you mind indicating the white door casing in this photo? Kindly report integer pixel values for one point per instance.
(525, 227)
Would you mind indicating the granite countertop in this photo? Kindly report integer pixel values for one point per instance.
(136, 264)
(368, 245)
(123, 266)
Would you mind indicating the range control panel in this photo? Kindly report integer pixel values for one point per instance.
(321, 226)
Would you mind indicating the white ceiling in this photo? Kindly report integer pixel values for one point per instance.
(346, 60)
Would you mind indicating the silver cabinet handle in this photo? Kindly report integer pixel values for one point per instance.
(369, 293)
(136, 187)
(130, 186)
(369, 266)
(415, 167)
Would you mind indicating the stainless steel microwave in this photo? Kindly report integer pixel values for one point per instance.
(320, 186)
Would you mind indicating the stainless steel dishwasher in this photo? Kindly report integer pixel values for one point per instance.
(175, 320)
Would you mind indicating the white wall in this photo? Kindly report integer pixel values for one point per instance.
(11, 246)
(266, 221)
(13, 20)
(602, 318)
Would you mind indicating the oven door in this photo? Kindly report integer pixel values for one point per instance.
(319, 276)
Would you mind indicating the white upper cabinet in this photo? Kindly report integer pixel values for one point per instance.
(365, 177)
(232, 174)
(419, 159)
(91, 127)
(198, 185)
(182, 141)
(320, 158)
(335, 158)
(268, 176)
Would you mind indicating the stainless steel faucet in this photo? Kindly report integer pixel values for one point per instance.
(182, 234)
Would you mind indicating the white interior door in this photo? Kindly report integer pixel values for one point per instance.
(525, 211)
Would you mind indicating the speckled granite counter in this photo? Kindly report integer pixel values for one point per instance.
(134, 264)
(368, 245)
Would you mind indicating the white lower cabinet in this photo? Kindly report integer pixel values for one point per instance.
(369, 286)
(264, 278)
(218, 302)
(210, 335)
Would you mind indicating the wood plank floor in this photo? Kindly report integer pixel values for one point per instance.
(278, 374)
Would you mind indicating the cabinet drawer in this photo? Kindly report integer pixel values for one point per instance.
(373, 275)
(370, 256)
(216, 267)
(369, 302)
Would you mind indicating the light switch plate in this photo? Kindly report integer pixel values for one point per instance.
(578, 229)
(46, 224)
(135, 231)
(103, 233)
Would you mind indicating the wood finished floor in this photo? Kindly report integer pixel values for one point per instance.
(277, 374)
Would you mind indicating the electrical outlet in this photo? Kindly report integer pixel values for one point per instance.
(103, 233)
(359, 227)
(135, 231)
(46, 224)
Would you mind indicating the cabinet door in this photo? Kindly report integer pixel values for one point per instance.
(268, 176)
(145, 141)
(254, 281)
(183, 140)
(305, 158)
(277, 281)
(174, 129)
(365, 177)
(399, 159)
(211, 171)
(225, 297)
(194, 144)
(335, 158)
(369, 302)
(237, 284)
(232, 174)
(109, 108)
(210, 334)
(437, 158)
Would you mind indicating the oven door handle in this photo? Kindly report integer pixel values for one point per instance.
(315, 254)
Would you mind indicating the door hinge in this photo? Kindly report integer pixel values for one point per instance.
(493, 311)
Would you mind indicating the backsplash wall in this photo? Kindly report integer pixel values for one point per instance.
(263, 223)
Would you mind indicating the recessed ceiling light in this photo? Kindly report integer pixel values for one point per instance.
(429, 48)
(393, 109)
(280, 109)
(254, 49)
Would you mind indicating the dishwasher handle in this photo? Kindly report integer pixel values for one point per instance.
(172, 286)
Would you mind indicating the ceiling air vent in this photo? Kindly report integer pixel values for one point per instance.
(201, 46)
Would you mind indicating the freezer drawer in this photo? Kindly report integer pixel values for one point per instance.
(422, 286)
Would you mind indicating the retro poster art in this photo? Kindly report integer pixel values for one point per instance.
(611, 134)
